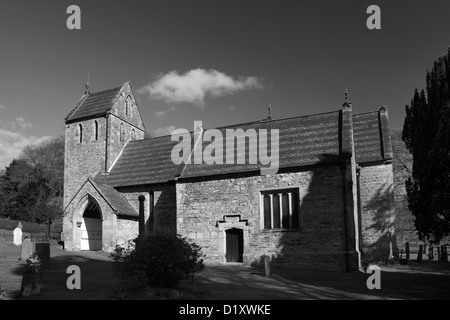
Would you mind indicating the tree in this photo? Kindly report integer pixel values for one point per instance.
(48, 158)
(426, 133)
(31, 188)
(402, 169)
(17, 186)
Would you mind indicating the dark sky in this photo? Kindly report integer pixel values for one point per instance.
(298, 56)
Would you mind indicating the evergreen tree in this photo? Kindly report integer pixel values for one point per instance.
(426, 133)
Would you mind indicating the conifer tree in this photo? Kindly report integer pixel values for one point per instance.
(426, 133)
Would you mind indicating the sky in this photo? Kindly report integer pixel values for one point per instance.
(221, 62)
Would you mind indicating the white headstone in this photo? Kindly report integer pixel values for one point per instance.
(27, 249)
(17, 236)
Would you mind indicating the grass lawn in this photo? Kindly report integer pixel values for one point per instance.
(426, 280)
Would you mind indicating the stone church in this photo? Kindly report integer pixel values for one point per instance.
(330, 206)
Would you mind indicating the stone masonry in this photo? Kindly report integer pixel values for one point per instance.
(318, 243)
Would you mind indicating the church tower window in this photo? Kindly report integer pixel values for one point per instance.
(128, 104)
(80, 132)
(121, 133)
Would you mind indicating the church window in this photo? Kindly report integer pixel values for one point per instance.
(80, 132)
(96, 130)
(133, 135)
(128, 104)
(280, 209)
(121, 133)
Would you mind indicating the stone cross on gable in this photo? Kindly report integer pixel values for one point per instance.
(269, 108)
(347, 103)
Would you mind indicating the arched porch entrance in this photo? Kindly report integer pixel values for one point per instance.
(91, 227)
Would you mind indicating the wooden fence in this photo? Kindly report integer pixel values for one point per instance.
(424, 252)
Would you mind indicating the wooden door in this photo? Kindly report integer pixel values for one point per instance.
(234, 245)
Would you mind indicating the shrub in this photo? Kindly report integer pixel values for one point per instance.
(160, 260)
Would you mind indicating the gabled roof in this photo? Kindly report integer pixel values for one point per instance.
(143, 162)
(115, 199)
(303, 141)
(94, 104)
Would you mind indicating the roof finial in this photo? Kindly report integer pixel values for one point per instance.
(269, 108)
(347, 103)
(88, 84)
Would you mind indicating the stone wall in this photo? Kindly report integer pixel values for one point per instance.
(164, 205)
(134, 116)
(318, 244)
(377, 212)
(126, 230)
(85, 159)
(74, 214)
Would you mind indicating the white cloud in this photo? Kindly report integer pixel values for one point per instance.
(164, 113)
(20, 124)
(2, 106)
(197, 84)
(12, 143)
(163, 131)
(23, 124)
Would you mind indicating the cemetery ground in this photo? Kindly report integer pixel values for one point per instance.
(426, 280)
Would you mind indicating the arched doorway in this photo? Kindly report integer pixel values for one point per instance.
(234, 245)
(91, 227)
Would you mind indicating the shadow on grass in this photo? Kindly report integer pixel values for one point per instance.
(96, 278)
(412, 282)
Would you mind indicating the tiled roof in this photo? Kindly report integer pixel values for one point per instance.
(367, 137)
(93, 104)
(143, 162)
(116, 199)
(303, 141)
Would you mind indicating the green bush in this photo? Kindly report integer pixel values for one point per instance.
(160, 260)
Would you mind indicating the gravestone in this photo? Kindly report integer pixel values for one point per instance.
(2, 246)
(419, 256)
(267, 265)
(18, 235)
(27, 249)
(43, 250)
